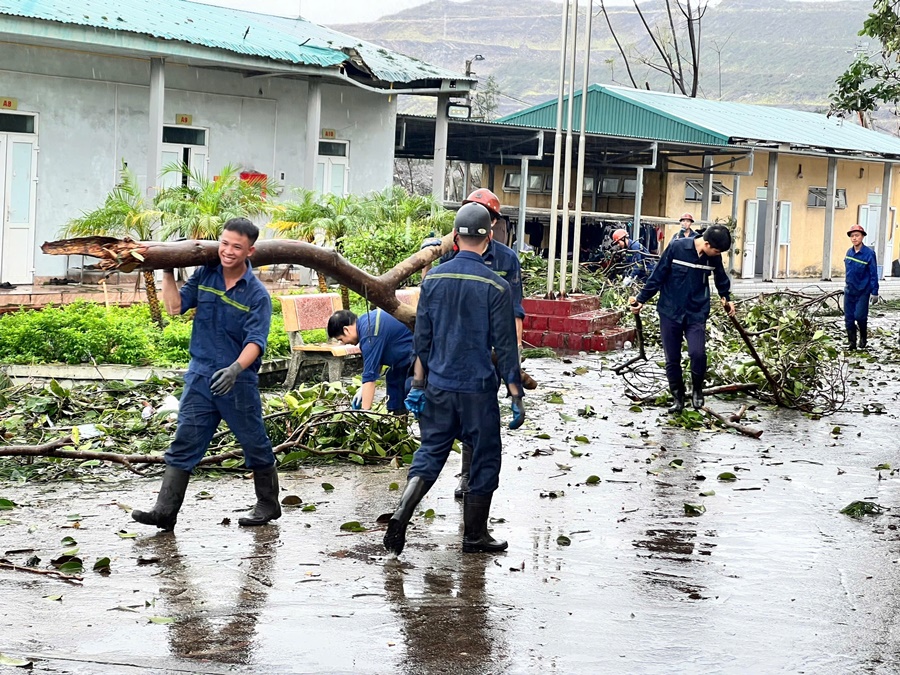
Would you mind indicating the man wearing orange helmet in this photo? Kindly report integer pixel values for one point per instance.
(637, 262)
(505, 263)
(861, 281)
(686, 221)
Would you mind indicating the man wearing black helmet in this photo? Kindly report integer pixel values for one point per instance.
(464, 311)
(682, 279)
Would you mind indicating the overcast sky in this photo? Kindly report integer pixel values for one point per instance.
(322, 11)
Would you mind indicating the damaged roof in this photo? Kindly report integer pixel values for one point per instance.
(280, 39)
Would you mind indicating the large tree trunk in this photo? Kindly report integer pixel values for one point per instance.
(127, 255)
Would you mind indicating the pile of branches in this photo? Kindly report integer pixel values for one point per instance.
(50, 432)
(795, 361)
(593, 279)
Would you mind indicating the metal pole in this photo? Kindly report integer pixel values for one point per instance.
(638, 204)
(523, 200)
(884, 221)
(557, 150)
(828, 244)
(567, 176)
(579, 179)
(313, 124)
(157, 105)
(735, 201)
(440, 149)
(706, 208)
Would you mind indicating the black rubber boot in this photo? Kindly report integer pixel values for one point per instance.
(677, 400)
(395, 537)
(463, 486)
(863, 334)
(168, 502)
(697, 391)
(265, 482)
(851, 337)
(476, 538)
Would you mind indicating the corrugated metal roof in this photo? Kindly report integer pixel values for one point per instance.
(636, 113)
(295, 41)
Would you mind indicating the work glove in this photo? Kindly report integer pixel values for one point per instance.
(415, 399)
(356, 401)
(430, 241)
(627, 281)
(635, 305)
(223, 380)
(518, 411)
(874, 300)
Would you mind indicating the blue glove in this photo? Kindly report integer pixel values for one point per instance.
(223, 380)
(356, 401)
(518, 410)
(415, 401)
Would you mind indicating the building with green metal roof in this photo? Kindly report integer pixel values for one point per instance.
(88, 85)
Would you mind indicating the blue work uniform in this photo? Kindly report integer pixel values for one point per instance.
(682, 279)
(384, 341)
(226, 321)
(464, 311)
(505, 263)
(861, 281)
(638, 263)
(682, 234)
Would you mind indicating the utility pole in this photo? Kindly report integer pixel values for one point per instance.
(467, 184)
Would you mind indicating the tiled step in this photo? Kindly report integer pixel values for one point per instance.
(586, 322)
(607, 339)
(573, 304)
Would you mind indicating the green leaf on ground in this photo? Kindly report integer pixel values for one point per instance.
(726, 477)
(353, 526)
(883, 467)
(582, 439)
(67, 541)
(53, 598)
(123, 534)
(543, 437)
(677, 463)
(7, 505)
(708, 493)
(102, 565)
(309, 507)
(563, 540)
(861, 508)
(694, 509)
(328, 487)
(555, 397)
(74, 566)
(162, 619)
(291, 500)
(592, 480)
(428, 514)
(16, 662)
(394, 486)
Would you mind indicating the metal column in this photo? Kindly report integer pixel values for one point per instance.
(579, 176)
(706, 208)
(440, 149)
(770, 247)
(157, 107)
(557, 151)
(884, 221)
(313, 125)
(828, 243)
(735, 201)
(638, 204)
(567, 175)
(523, 200)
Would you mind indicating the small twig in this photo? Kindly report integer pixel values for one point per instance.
(739, 415)
(747, 431)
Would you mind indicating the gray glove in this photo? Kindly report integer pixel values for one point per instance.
(874, 300)
(223, 380)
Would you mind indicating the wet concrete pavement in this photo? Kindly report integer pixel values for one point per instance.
(771, 578)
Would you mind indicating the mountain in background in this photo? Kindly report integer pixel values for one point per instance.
(772, 52)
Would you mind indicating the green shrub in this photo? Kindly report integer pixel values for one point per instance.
(86, 332)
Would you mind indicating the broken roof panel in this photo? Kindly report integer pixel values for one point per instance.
(294, 41)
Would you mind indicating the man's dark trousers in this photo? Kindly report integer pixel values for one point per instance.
(473, 418)
(672, 334)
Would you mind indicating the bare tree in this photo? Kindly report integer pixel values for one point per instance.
(675, 31)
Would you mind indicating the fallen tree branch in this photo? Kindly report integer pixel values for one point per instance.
(747, 431)
(739, 415)
(70, 578)
(776, 391)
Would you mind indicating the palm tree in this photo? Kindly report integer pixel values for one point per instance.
(295, 221)
(199, 209)
(124, 213)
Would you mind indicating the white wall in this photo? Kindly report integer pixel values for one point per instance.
(93, 115)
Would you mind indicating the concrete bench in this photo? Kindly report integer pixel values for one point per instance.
(308, 312)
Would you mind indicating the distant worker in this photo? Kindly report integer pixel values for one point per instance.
(687, 222)
(861, 282)
(682, 279)
(505, 263)
(638, 263)
(383, 341)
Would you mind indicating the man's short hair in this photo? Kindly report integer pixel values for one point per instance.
(718, 237)
(244, 227)
(338, 321)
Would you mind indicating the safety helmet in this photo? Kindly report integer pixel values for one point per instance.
(472, 220)
(686, 216)
(619, 234)
(856, 228)
(487, 199)
(718, 237)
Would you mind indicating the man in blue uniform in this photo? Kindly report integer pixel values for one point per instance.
(638, 264)
(861, 281)
(682, 279)
(686, 221)
(464, 311)
(383, 341)
(504, 261)
(228, 338)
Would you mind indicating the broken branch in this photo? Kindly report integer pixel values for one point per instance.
(747, 431)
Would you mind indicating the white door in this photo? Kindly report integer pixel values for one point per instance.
(784, 239)
(333, 168)
(748, 255)
(171, 155)
(19, 159)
